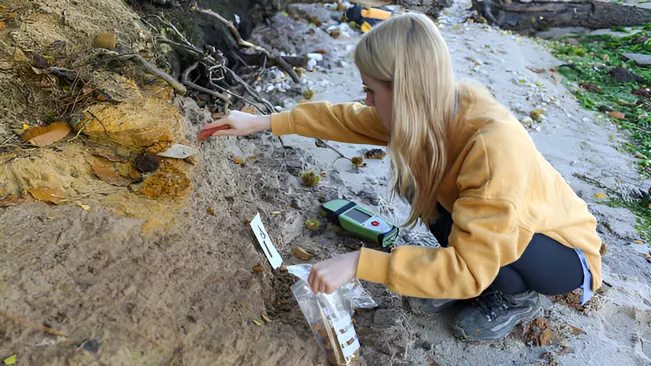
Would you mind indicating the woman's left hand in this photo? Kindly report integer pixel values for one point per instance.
(329, 275)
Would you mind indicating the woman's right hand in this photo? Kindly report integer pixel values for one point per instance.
(238, 123)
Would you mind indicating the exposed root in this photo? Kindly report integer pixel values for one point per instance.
(32, 325)
(225, 98)
(281, 62)
(180, 88)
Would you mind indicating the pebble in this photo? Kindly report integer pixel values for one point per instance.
(315, 56)
(278, 108)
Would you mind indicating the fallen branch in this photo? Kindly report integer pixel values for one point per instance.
(281, 62)
(32, 325)
(184, 78)
(180, 88)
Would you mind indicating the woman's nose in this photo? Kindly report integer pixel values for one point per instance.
(369, 100)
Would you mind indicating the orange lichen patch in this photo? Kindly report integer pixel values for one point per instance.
(168, 181)
(160, 89)
(162, 144)
(138, 123)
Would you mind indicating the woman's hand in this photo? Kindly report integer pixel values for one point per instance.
(239, 124)
(329, 275)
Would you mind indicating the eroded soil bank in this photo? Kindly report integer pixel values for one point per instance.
(133, 280)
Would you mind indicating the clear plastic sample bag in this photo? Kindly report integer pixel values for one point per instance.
(330, 315)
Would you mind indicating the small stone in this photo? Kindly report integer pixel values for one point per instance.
(146, 162)
(105, 40)
(638, 58)
(19, 56)
(91, 346)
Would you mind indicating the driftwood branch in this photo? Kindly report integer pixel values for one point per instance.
(538, 15)
(185, 78)
(281, 62)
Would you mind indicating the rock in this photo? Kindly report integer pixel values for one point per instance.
(623, 75)
(19, 56)
(105, 40)
(640, 59)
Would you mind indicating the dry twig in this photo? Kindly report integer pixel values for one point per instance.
(32, 325)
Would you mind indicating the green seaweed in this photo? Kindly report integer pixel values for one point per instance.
(589, 61)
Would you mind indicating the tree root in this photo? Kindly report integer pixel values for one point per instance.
(180, 88)
(225, 98)
(279, 60)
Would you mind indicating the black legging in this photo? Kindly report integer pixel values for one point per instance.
(546, 266)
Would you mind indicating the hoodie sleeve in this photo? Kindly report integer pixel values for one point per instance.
(484, 237)
(346, 122)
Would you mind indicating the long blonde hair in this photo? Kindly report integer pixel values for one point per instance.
(408, 53)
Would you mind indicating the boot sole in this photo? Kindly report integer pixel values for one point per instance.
(459, 333)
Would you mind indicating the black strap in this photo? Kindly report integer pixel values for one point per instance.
(334, 215)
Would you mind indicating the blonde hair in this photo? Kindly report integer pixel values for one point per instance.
(408, 53)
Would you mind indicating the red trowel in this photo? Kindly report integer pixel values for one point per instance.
(209, 131)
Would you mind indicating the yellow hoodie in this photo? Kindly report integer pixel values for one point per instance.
(499, 189)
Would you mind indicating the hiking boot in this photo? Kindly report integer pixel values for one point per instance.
(429, 306)
(494, 314)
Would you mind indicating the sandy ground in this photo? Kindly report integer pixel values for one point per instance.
(188, 295)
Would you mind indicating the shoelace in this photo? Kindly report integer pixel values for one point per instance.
(493, 304)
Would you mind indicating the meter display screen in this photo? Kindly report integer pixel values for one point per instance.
(358, 215)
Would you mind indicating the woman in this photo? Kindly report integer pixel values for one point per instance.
(509, 226)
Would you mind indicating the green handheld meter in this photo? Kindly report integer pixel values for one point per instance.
(360, 221)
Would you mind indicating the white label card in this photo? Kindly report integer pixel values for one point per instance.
(267, 245)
